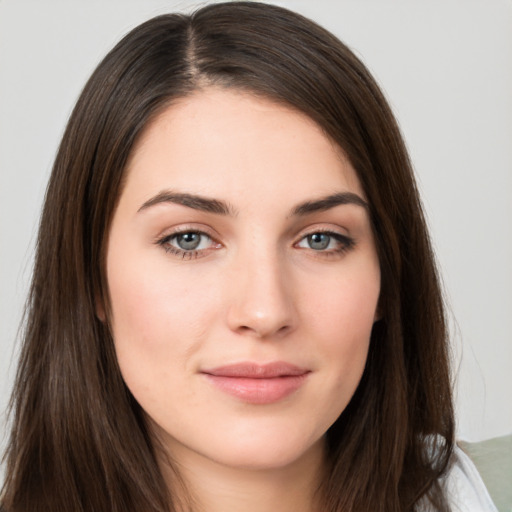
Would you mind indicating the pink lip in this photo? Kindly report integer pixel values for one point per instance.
(255, 383)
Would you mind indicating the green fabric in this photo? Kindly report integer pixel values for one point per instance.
(493, 459)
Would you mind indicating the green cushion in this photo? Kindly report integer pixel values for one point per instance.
(493, 459)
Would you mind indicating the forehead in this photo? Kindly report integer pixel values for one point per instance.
(223, 140)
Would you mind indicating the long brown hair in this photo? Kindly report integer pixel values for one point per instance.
(79, 440)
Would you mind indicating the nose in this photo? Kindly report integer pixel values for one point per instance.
(261, 299)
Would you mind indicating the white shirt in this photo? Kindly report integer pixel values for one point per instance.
(464, 487)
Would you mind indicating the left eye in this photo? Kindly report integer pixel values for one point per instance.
(323, 241)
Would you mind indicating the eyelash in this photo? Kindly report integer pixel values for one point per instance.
(346, 244)
(164, 242)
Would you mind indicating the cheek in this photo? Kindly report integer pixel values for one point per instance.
(341, 323)
(344, 307)
(159, 318)
(151, 299)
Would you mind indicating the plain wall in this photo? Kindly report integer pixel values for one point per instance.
(446, 67)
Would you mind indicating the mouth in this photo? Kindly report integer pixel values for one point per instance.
(257, 384)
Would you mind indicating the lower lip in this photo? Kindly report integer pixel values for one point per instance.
(258, 391)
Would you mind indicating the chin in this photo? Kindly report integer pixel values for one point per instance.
(266, 450)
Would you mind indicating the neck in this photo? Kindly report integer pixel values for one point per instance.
(213, 487)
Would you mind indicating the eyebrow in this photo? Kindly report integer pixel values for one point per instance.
(219, 207)
(205, 204)
(328, 202)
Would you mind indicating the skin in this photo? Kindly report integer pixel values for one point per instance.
(256, 289)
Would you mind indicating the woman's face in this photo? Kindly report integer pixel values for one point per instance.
(243, 279)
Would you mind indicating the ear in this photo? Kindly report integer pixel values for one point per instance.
(99, 307)
(379, 315)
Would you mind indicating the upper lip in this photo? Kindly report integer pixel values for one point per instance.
(250, 370)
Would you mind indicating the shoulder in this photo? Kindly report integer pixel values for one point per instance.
(464, 487)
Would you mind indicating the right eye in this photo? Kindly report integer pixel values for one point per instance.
(188, 244)
(190, 241)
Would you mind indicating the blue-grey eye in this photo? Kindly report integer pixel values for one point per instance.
(319, 241)
(188, 244)
(326, 242)
(188, 241)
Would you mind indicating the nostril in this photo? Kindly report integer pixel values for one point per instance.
(263, 331)
(261, 305)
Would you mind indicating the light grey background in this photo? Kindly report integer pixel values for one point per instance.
(446, 67)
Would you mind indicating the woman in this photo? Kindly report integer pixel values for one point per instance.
(235, 304)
